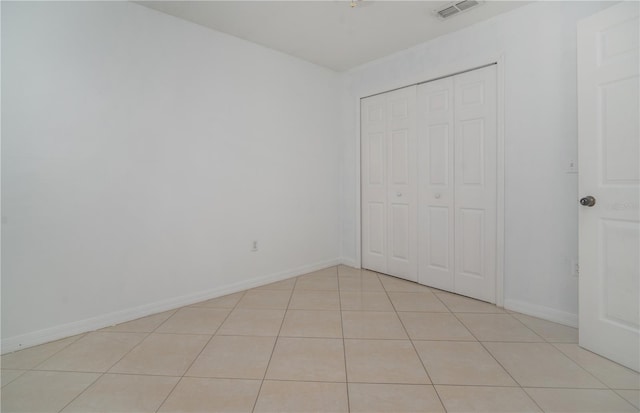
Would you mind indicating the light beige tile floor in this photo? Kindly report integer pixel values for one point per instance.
(336, 340)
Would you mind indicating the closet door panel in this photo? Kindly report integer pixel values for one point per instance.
(402, 185)
(475, 183)
(435, 188)
(374, 183)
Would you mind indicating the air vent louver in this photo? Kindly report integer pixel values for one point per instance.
(455, 8)
(449, 11)
(467, 4)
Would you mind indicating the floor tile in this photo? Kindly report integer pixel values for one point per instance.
(497, 327)
(435, 326)
(44, 391)
(365, 301)
(632, 396)
(552, 332)
(364, 282)
(384, 361)
(312, 323)
(307, 359)
(424, 301)
(286, 285)
(227, 301)
(162, 354)
(212, 395)
(302, 397)
(398, 398)
(314, 300)
(95, 352)
(243, 322)
(459, 304)
(194, 320)
(31, 357)
(321, 283)
(608, 372)
(344, 270)
(579, 400)
(141, 325)
(234, 357)
(372, 324)
(265, 299)
(467, 399)
(541, 365)
(393, 284)
(461, 363)
(123, 393)
(10, 375)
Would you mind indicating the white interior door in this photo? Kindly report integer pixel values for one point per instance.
(436, 184)
(475, 177)
(389, 183)
(610, 173)
(457, 174)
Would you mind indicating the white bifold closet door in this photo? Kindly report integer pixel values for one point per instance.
(457, 175)
(429, 183)
(389, 186)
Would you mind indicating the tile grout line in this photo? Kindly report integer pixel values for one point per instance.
(561, 352)
(414, 347)
(584, 368)
(275, 343)
(496, 360)
(102, 374)
(344, 345)
(199, 353)
(80, 336)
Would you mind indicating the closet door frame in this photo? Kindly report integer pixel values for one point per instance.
(442, 72)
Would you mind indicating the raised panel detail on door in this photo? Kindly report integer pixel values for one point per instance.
(376, 224)
(400, 157)
(376, 159)
(439, 255)
(472, 94)
(620, 151)
(438, 141)
(620, 240)
(400, 231)
(471, 133)
(475, 159)
(472, 234)
(435, 188)
(617, 40)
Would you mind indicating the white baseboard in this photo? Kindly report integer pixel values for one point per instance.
(349, 262)
(95, 323)
(546, 313)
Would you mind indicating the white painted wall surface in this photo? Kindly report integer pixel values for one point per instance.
(538, 43)
(142, 154)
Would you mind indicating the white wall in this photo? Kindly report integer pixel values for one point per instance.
(538, 42)
(141, 155)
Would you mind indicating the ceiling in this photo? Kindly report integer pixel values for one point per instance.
(330, 33)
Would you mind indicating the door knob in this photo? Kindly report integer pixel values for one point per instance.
(437, 196)
(588, 201)
(398, 193)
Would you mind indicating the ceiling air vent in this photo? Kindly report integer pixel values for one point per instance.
(456, 8)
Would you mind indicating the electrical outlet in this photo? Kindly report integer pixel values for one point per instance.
(254, 246)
